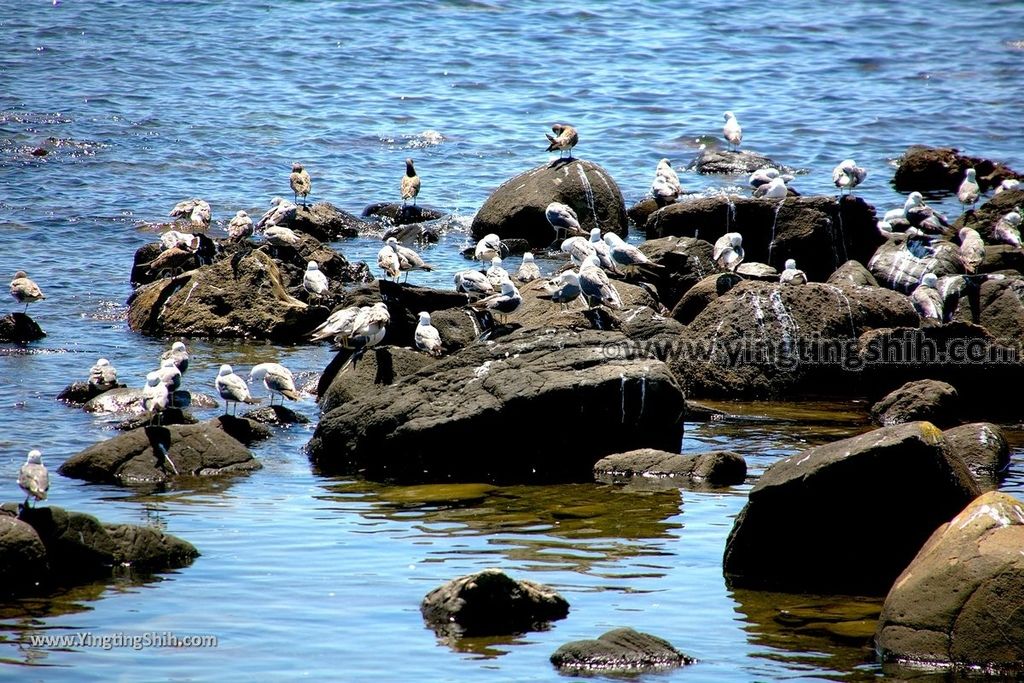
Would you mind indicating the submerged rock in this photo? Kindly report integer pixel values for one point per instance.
(927, 169)
(713, 468)
(80, 393)
(926, 399)
(401, 214)
(20, 329)
(730, 162)
(622, 650)
(276, 415)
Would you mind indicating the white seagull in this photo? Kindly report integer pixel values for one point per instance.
(1007, 229)
(314, 281)
(792, 276)
(339, 323)
(728, 252)
(848, 175)
(408, 259)
(33, 478)
(24, 290)
(578, 248)
(731, 130)
(155, 396)
(927, 299)
(103, 375)
(602, 251)
(240, 226)
(969, 190)
(563, 219)
(773, 189)
(179, 354)
(473, 282)
(182, 240)
(595, 286)
(563, 289)
(496, 273)
(528, 269)
(623, 253)
(232, 388)
(426, 337)
(281, 211)
(170, 375)
(503, 303)
(277, 379)
(196, 211)
(488, 247)
(666, 187)
(972, 250)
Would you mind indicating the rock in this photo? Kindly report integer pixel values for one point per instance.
(926, 399)
(325, 222)
(129, 458)
(852, 273)
(1001, 309)
(958, 601)
(170, 416)
(821, 233)
(382, 366)
(621, 650)
(275, 415)
(639, 212)
(242, 429)
(408, 431)
(516, 208)
(927, 169)
(120, 400)
(20, 329)
(757, 271)
(983, 446)
(729, 162)
(699, 412)
(1003, 259)
(713, 468)
(491, 603)
(986, 215)
(22, 556)
(896, 268)
(536, 312)
(80, 393)
(803, 527)
(399, 214)
(685, 260)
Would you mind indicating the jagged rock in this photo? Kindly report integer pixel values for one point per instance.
(491, 603)
(621, 650)
(926, 399)
(897, 268)
(80, 393)
(802, 526)
(713, 468)
(275, 415)
(326, 222)
(958, 601)
(685, 260)
(820, 233)
(852, 273)
(409, 430)
(516, 208)
(728, 162)
(927, 169)
(983, 446)
(152, 455)
(20, 329)
(401, 214)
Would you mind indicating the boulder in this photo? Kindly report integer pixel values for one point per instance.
(619, 651)
(20, 329)
(847, 517)
(242, 429)
(958, 602)
(156, 455)
(712, 468)
(1001, 309)
(821, 233)
(380, 367)
(80, 393)
(897, 268)
(983, 446)
(22, 556)
(325, 222)
(401, 214)
(537, 312)
(491, 603)
(557, 383)
(516, 208)
(119, 400)
(729, 162)
(926, 399)
(639, 212)
(986, 215)
(275, 415)
(852, 273)
(685, 262)
(703, 293)
(929, 169)
(170, 416)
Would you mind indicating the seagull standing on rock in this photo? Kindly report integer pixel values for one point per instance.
(563, 219)
(281, 211)
(848, 175)
(103, 375)
(473, 282)
(240, 226)
(731, 130)
(155, 396)
(488, 247)
(563, 289)
(426, 337)
(339, 323)
(666, 187)
(972, 250)
(792, 276)
(623, 253)
(24, 290)
(602, 251)
(595, 286)
(1007, 229)
(926, 298)
(33, 478)
(195, 211)
(528, 269)
(496, 273)
(232, 388)
(578, 249)
(773, 189)
(313, 281)
(179, 354)
(277, 379)
(728, 252)
(969, 190)
(565, 139)
(504, 303)
(410, 184)
(300, 182)
(407, 258)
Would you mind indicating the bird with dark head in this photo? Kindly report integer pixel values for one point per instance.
(24, 290)
(564, 139)
(300, 182)
(410, 183)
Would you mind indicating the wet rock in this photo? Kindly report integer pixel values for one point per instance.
(275, 415)
(1001, 309)
(699, 412)
(729, 162)
(983, 446)
(821, 233)
(536, 312)
(491, 603)
(958, 602)
(153, 454)
(852, 273)
(528, 379)
(171, 416)
(928, 169)
(639, 212)
(20, 329)
(926, 399)
(986, 215)
(120, 400)
(685, 262)
(242, 429)
(382, 366)
(326, 222)
(622, 650)
(803, 526)
(516, 208)
(80, 393)
(49, 545)
(897, 268)
(713, 468)
(401, 214)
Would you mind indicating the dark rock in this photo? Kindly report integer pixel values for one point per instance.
(802, 526)
(401, 214)
(713, 468)
(536, 312)
(927, 169)
(699, 412)
(926, 399)
(516, 208)
(171, 416)
(20, 329)
(1004, 259)
(151, 455)
(619, 650)
(958, 602)
(820, 233)
(641, 211)
(242, 429)
(852, 273)
(703, 293)
(897, 268)
(728, 162)
(79, 393)
(326, 222)
(528, 379)
(983, 447)
(382, 366)
(22, 556)
(120, 400)
(275, 415)
(491, 603)
(1000, 309)
(984, 218)
(685, 261)
(762, 272)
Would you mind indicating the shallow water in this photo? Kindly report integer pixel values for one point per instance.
(143, 104)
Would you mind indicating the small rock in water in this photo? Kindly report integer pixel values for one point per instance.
(619, 650)
(20, 329)
(279, 415)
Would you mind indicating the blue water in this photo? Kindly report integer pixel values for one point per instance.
(142, 104)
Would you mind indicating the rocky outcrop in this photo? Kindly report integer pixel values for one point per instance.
(560, 383)
(326, 222)
(803, 527)
(896, 267)
(156, 455)
(728, 162)
(491, 603)
(852, 273)
(703, 293)
(986, 215)
(926, 399)
(927, 169)
(983, 447)
(47, 546)
(401, 214)
(685, 262)
(80, 393)
(537, 312)
(1001, 309)
(20, 329)
(516, 208)
(379, 367)
(958, 602)
(619, 651)
(711, 469)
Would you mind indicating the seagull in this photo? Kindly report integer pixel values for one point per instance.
(170, 375)
(340, 323)
(277, 379)
(602, 251)
(563, 289)
(563, 219)
(426, 336)
(731, 130)
(565, 138)
(848, 175)
(666, 187)
(314, 282)
(969, 190)
(473, 282)
(25, 291)
(369, 327)
(505, 302)
(240, 226)
(33, 478)
(622, 253)
(1007, 229)
(281, 211)
(155, 396)
(762, 176)
(232, 388)
(280, 236)
(196, 211)
(920, 215)
(182, 240)
(407, 258)
(728, 253)
(171, 261)
(528, 269)
(578, 248)
(300, 182)
(927, 299)
(496, 273)
(103, 375)
(1008, 184)
(489, 247)
(972, 250)
(792, 276)
(920, 243)
(179, 354)
(595, 286)
(410, 183)
(388, 261)
(773, 189)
